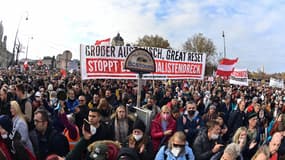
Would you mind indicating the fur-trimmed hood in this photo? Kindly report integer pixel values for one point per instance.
(129, 116)
(113, 148)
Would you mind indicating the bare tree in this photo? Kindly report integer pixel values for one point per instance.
(199, 43)
(153, 41)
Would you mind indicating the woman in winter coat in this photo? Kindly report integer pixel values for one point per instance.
(20, 125)
(162, 128)
(177, 148)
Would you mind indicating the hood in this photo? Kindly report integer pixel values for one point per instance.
(195, 114)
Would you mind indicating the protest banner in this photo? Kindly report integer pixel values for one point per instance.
(239, 77)
(107, 62)
(278, 83)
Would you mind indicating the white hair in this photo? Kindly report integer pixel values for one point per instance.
(233, 149)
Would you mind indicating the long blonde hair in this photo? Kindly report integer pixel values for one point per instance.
(15, 105)
(262, 150)
(237, 135)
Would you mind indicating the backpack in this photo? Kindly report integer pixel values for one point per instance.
(165, 155)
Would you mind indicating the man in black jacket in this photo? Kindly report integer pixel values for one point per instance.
(99, 130)
(207, 143)
(237, 117)
(45, 139)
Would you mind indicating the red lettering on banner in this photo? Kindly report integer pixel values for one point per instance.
(239, 74)
(102, 65)
(163, 67)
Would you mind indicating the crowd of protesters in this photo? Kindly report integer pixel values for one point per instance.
(45, 115)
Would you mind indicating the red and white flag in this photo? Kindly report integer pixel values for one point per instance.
(104, 42)
(226, 67)
(26, 65)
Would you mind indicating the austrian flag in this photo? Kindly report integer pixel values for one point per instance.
(226, 67)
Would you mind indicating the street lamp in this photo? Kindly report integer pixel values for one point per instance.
(16, 36)
(28, 46)
(225, 54)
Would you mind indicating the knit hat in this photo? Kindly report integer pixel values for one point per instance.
(139, 124)
(99, 152)
(6, 123)
(212, 106)
(251, 115)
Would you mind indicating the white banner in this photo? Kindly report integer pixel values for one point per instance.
(239, 77)
(278, 83)
(106, 62)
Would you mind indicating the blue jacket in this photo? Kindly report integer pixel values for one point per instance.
(162, 153)
(191, 125)
(71, 104)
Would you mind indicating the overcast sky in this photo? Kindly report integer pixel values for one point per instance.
(254, 30)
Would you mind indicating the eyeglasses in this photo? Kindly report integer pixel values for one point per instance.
(37, 121)
(178, 145)
(81, 100)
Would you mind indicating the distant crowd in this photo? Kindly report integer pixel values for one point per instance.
(49, 116)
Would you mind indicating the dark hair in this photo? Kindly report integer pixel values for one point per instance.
(44, 114)
(281, 127)
(20, 87)
(95, 110)
(211, 124)
(191, 102)
(4, 90)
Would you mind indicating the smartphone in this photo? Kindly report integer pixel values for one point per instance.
(86, 125)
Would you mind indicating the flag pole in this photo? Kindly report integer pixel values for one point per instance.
(224, 44)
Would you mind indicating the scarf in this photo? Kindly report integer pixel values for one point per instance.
(121, 129)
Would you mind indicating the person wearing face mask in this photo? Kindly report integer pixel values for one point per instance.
(139, 141)
(190, 122)
(207, 143)
(97, 132)
(162, 128)
(151, 105)
(11, 146)
(176, 148)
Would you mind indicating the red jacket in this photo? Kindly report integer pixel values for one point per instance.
(156, 131)
(274, 156)
(4, 151)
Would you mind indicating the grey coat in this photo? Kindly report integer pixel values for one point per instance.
(22, 128)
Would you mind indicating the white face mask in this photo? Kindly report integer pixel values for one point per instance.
(138, 137)
(175, 151)
(214, 136)
(4, 136)
(92, 129)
